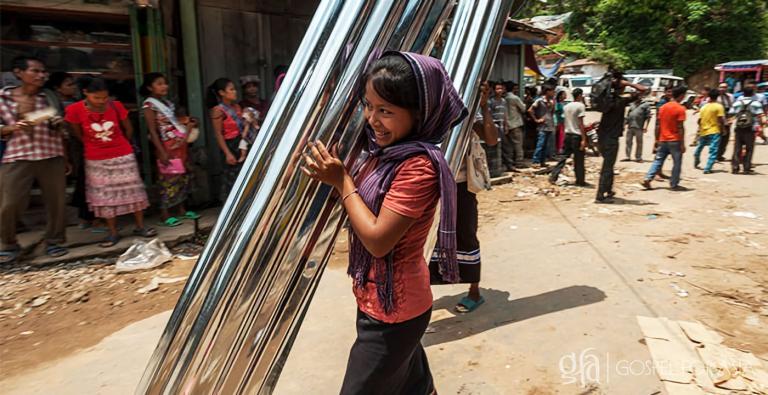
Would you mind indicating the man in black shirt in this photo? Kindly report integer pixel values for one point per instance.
(608, 133)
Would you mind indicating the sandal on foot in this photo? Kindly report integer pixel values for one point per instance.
(467, 305)
(9, 256)
(55, 251)
(110, 241)
(191, 215)
(145, 232)
(170, 222)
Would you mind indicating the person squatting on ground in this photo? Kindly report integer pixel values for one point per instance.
(34, 151)
(575, 139)
(670, 140)
(711, 127)
(169, 137)
(543, 113)
(113, 186)
(638, 118)
(609, 131)
(749, 118)
(410, 105)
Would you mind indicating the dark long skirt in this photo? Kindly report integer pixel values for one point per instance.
(388, 358)
(467, 244)
(229, 175)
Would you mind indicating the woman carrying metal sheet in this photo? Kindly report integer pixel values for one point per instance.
(410, 105)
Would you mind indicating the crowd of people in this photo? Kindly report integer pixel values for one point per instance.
(562, 133)
(409, 105)
(57, 126)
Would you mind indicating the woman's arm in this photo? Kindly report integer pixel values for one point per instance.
(217, 120)
(76, 129)
(149, 116)
(127, 128)
(379, 234)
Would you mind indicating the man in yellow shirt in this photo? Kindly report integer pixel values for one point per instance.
(711, 126)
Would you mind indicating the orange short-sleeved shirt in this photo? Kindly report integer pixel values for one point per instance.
(414, 193)
(670, 115)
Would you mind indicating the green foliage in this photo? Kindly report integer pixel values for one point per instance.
(569, 46)
(687, 35)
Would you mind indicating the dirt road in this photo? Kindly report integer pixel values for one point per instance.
(563, 279)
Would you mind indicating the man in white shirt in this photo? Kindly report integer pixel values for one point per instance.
(575, 139)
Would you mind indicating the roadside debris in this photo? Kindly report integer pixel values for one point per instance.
(679, 291)
(154, 284)
(691, 359)
(671, 273)
(745, 214)
(142, 255)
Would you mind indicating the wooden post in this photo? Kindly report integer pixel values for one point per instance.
(192, 71)
(138, 71)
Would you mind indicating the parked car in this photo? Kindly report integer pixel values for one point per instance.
(657, 83)
(573, 81)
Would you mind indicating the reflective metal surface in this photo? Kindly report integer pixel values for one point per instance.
(247, 295)
(476, 30)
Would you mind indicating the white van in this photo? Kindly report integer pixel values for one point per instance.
(658, 83)
(573, 81)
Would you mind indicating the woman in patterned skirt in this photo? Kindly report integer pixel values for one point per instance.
(113, 186)
(170, 140)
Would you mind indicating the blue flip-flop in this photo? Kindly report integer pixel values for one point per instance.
(9, 256)
(467, 305)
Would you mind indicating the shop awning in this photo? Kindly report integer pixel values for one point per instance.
(744, 65)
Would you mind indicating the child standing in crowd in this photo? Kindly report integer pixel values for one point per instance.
(113, 185)
(170, 140)
(228, 127)
(410, 104)
(560, 119)
(250, 129)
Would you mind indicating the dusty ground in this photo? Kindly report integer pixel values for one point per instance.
(49, 312)
(561, 275)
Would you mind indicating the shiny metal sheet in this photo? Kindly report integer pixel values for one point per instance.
(244, 301)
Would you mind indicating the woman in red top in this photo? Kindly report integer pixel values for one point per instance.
(113, 186)
(410, 105)
(228, 124)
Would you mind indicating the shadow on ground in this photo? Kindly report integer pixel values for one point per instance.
(498, 311)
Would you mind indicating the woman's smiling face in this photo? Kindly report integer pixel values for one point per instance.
(389, 122)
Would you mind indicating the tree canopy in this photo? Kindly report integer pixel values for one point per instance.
(686, 35)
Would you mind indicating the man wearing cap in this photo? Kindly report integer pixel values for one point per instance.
(251, 85)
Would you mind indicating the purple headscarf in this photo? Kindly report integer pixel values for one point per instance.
(441, 109)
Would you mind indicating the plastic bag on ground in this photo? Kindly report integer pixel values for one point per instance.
(143, 255)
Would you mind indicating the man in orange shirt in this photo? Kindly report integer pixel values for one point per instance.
(670, 140)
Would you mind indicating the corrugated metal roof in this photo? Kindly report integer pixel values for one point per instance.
(745, 63)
